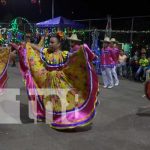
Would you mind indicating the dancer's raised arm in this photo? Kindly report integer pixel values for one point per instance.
(36, 47)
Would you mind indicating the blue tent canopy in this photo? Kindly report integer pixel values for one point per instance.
(59, 22)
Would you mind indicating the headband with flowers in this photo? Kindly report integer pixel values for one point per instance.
(60, 34)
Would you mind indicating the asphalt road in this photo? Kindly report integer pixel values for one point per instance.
(121, 123)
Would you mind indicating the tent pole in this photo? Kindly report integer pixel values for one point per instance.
(53, 8)
(131, 36)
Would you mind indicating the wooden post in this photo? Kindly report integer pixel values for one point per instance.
(131, 37)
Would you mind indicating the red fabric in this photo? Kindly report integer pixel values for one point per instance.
(91, 55)
(107, 57)
(3, 80)
(115, 54)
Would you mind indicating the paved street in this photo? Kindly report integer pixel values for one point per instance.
(120, 123)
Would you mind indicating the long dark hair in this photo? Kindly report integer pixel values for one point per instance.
(61, 39)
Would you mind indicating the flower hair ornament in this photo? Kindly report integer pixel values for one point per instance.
(60, 34)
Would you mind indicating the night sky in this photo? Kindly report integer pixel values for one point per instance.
(77, 9)
(81, 9)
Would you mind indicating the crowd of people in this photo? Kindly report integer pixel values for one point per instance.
(121, 64)
(116, 63)
(132, 66)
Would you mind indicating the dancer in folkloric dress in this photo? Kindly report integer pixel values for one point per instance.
(4, 60)
(59, 70)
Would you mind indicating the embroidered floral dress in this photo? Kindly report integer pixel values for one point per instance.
(71, 83)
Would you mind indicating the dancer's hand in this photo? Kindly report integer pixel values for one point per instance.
(14, 45)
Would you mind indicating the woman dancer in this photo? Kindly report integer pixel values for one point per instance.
(70, 81)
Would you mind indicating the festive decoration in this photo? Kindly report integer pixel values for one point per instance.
(95, 35)
(54, 30)
(9, 37)
(15, 24)
(46, 42)
(3, 30)
(15, 34)
(19, 36)
(74, 31)
(96, 50)
(1, 39)
(65, 31)
(112, 31)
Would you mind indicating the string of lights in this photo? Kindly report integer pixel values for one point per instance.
(113, 31)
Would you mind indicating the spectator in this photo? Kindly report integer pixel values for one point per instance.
(122, 64)
(134, 64)
(143, 62)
